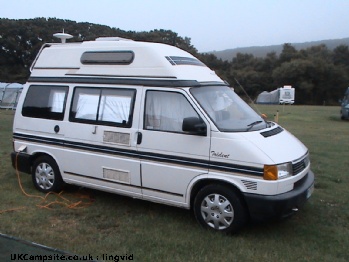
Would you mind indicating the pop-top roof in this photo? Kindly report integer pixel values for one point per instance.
(116, 57)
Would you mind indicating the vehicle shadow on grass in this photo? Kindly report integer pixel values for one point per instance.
(163, 215)
(337, 119)
(185, 219)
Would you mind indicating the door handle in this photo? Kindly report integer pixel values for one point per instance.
(139, 138)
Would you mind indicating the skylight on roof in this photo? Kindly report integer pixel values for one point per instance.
(181, 60)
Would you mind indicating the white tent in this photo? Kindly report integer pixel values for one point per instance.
(268, 97)
(9, 94)
(282, 95)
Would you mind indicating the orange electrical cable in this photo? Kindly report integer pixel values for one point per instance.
(20, 183)
(11, 210)
(43, 204)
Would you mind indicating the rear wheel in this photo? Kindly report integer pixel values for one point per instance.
(46, 176)
(219, 208)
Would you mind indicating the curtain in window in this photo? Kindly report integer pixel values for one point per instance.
(115, 108)
(166, 110)
(56, 101)
(87, 106)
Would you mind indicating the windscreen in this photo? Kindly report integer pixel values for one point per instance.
(227, 110)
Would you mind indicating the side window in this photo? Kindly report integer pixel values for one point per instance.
(165, 111)
(103, 106)
(45, 102)
(85, 104)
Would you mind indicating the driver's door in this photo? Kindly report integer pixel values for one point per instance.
(170, 157)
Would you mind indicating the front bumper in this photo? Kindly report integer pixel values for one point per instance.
(263, 207)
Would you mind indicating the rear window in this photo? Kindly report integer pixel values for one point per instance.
(43, 101)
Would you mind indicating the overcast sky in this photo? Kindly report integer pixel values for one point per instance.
(211, 25)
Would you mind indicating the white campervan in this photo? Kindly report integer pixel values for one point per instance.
(150, 121)
(286, 95)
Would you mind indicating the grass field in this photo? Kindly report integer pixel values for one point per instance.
(115, 225)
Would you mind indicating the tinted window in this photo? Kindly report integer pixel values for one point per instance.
(103, 106)
(45, 102)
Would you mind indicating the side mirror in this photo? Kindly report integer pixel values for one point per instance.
(195, 126)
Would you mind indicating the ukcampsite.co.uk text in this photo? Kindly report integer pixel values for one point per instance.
(61, 257)
(53, 257)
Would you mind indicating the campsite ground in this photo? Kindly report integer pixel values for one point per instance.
(114, 225)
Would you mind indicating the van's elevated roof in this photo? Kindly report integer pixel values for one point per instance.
(115, 58)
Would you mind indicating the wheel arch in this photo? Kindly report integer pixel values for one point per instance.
(209, 181)
(37, 154)
(47, 177)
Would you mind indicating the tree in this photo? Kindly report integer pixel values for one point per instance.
(341, 55)
(317, 73)
(288, 53)
(316, 80)
(20, 41)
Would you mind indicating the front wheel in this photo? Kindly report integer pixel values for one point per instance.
(46, 176)
(219, 208)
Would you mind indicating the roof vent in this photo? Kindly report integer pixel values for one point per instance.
(112, 39)
(63, 36)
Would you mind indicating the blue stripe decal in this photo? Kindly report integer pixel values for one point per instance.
(183, 161)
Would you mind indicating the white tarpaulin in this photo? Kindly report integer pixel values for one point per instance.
(9, 94)
(282, 95)
(268, 97)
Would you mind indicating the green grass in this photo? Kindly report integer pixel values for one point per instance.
(117, 225)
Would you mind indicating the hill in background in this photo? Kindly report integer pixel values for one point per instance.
(262, 51)
(319, 70)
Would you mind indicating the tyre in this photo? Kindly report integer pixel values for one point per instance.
(219, 208)
(46, 176)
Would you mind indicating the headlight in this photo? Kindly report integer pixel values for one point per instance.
(275, 172)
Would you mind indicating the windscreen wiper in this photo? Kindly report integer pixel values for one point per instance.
(253, 124)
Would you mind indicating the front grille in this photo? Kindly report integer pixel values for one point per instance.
(300, 165)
